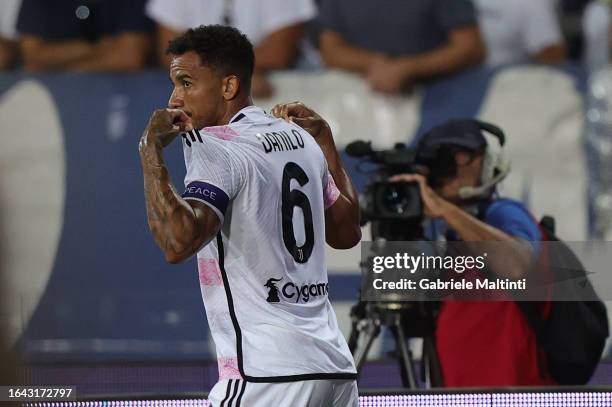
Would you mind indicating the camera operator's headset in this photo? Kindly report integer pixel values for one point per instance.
(495, 166)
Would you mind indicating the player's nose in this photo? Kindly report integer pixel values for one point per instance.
(176, 101)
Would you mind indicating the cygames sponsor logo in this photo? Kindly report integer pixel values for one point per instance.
(293, 292)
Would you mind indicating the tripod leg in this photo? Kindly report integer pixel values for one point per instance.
(426, 365)
(398, 352)
(358, 314)
(360, 354)
(407, 365)
(433, 376)
(354, 336)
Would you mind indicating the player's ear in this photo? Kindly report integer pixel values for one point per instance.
(231, 87)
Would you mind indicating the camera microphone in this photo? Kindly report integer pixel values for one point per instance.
(484, 189)
(359, 148)
(495, 167)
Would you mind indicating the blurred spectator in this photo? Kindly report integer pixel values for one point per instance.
(597, 27)
(84, 35)
(275, 27)
(520, 31)
(8, 364)
(571, 14)
(395, 43)
(8, 367)
(8, 42)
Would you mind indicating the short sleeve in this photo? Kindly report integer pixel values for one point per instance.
(215, 174)
(30, 20)
(455, 14)
(512, 218)
(541, 27)
(171, 14)
(282, 13)
(129, 16)
(328, 17)
(330, 190)
(8, 18)
(46, 20)
(50, 21)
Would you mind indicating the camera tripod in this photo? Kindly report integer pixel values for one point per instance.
(404, 319)
(368, 319)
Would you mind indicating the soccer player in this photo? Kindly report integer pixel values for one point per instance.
(262, 196)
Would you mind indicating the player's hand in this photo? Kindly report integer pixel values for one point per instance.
(306, 118)
(434, 206)
(164, 125)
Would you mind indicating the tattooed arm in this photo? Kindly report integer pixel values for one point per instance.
(180, 228)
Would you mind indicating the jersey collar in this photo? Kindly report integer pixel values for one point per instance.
(246, 112)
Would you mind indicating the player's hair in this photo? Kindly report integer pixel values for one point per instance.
(222, 48)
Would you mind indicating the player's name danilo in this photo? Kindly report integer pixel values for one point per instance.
(281, 141)
(452, 284)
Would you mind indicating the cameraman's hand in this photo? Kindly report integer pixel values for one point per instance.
(434, 206)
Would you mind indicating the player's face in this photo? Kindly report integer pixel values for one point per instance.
(469, 168)
(197, 90)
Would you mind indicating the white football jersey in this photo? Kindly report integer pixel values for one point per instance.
(264, 278)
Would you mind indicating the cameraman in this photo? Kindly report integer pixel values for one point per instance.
(480, 343)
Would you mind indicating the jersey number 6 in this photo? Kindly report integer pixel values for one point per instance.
(291, 199)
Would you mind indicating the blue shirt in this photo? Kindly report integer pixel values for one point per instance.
(512, 218)
(396, 27)
(89, 20)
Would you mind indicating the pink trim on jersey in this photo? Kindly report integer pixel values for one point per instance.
(222, 132)
(228, 368)
(209, 272)
(331, 192)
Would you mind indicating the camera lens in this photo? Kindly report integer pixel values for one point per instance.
(395, 199)
(398, 200)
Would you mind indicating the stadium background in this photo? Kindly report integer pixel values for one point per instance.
(90, 299)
